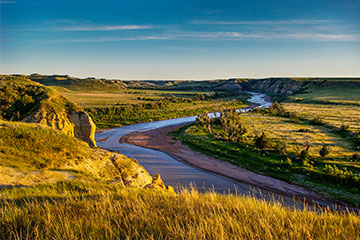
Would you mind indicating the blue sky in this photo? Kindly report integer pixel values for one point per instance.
(173, 39)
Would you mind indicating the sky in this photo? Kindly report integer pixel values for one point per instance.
(181, 39)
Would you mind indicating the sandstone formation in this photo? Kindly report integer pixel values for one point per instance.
(84, 127)
(79, 124)
(132, 173)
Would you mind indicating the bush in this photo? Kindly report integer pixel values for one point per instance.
(261, 142)
(324, 151)
(345, 128)
(304, 155)
(357, 139)
(356, 157)
(294, 117)
(280, 148)
(317, 120)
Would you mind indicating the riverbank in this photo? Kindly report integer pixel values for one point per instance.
(159, 139)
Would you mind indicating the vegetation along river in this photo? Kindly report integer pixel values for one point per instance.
(179, 174)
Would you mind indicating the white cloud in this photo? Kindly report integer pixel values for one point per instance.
(90, 40)
(276, 22)
(104, 28)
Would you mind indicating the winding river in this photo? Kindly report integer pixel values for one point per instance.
(179, 174)
(172, 171)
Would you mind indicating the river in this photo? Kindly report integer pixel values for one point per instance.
(179, 174)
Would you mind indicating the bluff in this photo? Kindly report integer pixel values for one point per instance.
(289, 86)
(24, 100)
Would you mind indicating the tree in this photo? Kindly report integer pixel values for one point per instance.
(324, 151)
(204, 121)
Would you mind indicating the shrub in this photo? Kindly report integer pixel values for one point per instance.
(305, 130)
(294, 117)
(203, 120)
(324, 151)
(280, 148)
(357, 139)
(261, 141)
(317, 120)
(356, 157)
(277, 109)
(304, 155)
(345, 128)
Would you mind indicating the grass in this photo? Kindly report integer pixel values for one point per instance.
(73, 212)
(335, 107)
(108, 98)
(280, 129)
(32, 147)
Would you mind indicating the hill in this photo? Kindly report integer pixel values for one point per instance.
(73, 83)
(24, 100)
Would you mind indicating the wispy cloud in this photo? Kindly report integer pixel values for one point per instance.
(186, 49)
(8, 2)
(103, 28)
(215, 36)
(276, 22)
(99, 40)
(238, 36)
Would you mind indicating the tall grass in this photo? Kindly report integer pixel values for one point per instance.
(145, 214)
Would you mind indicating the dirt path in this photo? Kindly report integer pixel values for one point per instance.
(160, 140)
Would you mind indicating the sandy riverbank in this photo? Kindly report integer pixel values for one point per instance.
(160, 140)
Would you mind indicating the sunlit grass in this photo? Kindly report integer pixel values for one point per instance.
(280, 129)
(145, 214)
(334, 115)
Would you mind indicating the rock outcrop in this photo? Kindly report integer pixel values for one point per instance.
(132, 173)
(54, 119)
(79, 124)
(84, 127)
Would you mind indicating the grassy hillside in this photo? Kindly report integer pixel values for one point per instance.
(20, 97)
(32, 154)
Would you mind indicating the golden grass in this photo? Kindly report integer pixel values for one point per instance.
(281, 129)
(335, 115)
(145, 214)
(108, 98)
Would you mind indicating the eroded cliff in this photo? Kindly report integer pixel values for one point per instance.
(28, 101)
